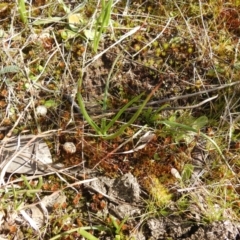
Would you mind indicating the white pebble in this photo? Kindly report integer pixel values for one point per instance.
(41, 110)
(69, 147)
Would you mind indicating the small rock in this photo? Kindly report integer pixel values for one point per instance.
(126, 188)
(69, 147)
(124, 210)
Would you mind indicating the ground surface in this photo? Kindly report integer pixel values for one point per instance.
(136, 105)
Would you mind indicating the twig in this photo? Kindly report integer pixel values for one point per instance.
(152, 103)
(192, 106)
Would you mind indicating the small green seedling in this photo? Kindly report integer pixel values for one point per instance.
(118, 227)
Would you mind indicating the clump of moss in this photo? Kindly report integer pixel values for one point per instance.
(158, 192)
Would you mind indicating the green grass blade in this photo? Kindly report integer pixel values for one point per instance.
(80, 230)
(103, 19)
(103, 122)
(40, 183)
(22, 11)
(84, 111)
(86, 234)
(162, 108)
(26, 182)
(134, 117)
(85, 114)
(187, 172)
(65, 8)
(121, 111)
(118, 226)
(106, 15)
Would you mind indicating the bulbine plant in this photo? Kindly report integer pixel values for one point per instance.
(103, 128)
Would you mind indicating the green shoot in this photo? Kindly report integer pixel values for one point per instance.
(82, 231)
(31, 191)
(187, 172)
(121, 111)
(103, 21)
(106, 94)
(117, 226)
(85, 113)
(22, 11)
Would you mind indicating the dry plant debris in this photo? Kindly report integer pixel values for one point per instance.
(161, 77)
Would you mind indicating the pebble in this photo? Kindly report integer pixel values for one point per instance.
(69, 147)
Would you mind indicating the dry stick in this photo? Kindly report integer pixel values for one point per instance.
(229, 101)
(205, 30)
(48, 172)
(131, 32)
(111, 112)
(188, 27)
(62, 55)
(191, 106)
(163, 109)
(188, 95)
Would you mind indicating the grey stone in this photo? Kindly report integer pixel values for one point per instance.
(123, 194)
(126, 188)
